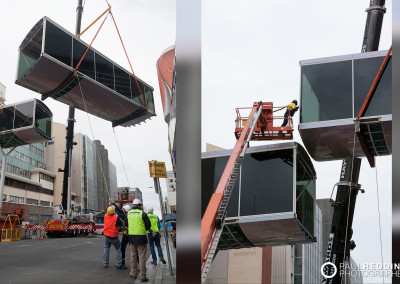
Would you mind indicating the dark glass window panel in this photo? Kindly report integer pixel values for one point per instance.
(136, 96)
(87, 65)
(30, 52)
(326, 91)
(211, 172)
(305, 196)
(24, 114)
(7, 119)
(267, 183)
(43, 120)
(122, 82)
(104, 71)
(58, 44)
(149, 99)
(365, 71)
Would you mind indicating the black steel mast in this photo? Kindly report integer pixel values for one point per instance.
(66, 194)
(340, 243)
(373, 26)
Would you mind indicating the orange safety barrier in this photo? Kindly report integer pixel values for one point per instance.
(13, 232)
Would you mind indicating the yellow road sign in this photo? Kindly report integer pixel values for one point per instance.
(157, 169)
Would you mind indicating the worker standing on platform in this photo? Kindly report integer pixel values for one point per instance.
(154, 237)
(290, 110)
(111, 232)
(125, 194)
(138, 224)
(125, 240)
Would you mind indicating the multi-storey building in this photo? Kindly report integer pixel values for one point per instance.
(171, 189)
(92, 174)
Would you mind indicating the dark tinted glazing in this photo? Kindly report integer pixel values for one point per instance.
(326, 91)
(58, 44)
(211, 171)
(87, 65)
(122, 82)
(267, 183)
(104, 71)
(365, 71)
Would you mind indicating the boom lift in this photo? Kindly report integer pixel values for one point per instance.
(257, 126)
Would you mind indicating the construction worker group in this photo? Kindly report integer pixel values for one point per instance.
(139, 228)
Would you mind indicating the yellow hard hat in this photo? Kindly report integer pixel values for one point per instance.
(110, 210)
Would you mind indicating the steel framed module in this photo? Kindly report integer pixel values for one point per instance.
(25, 123)
(273, 199)
(47, 58)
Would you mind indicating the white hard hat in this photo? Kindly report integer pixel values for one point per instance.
(127, 207)
(137, 202)
(150, 210)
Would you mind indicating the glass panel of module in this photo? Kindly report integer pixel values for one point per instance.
(269, 184)
(327, 86)
(49, 54)
(25, 123)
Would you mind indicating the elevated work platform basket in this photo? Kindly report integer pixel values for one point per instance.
(333, 91)
(267, 127)
(25, 123)
(47, 58)
(273, 200)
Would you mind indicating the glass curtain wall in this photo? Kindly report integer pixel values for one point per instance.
(69, 50)
(327, 89)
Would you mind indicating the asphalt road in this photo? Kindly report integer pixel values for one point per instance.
(65, 260)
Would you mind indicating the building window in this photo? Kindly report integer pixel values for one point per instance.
(33, 219)
(46, 178)
(44, 203)
(171, 186)
(4, 197)
(16, 199)
(170, 180)
(32, 201)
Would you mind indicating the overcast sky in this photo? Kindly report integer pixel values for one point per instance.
(147, 28)
(251, 52)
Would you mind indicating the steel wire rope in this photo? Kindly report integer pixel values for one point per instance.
(91, 130)
(122, 160)
(379, 218)
(348, 205)
(134, 76)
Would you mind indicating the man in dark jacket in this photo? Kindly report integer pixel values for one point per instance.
(122, 214)
(138, 223)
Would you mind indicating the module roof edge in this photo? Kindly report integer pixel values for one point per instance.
(45, 18)
(343, 57)
(268, 147)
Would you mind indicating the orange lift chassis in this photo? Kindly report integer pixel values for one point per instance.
(257, 126)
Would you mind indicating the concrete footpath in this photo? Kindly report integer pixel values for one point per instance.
(161, 274)
(73, 260)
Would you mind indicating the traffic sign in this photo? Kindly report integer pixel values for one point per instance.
(157, 169)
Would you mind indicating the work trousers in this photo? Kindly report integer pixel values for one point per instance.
(140, 250)
(155, 240)
(124, 243)
(107, 244)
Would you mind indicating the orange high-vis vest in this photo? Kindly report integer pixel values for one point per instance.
(110, 230)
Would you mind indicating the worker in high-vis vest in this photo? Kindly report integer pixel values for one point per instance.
(290, 110)
(154, 237)
(138, 224)
(111, 232)
(122, 214)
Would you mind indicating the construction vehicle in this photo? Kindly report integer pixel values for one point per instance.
(258, 125)
(340, 238)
